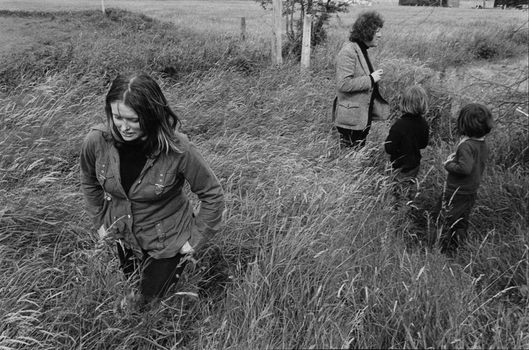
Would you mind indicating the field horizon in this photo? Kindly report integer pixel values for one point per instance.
(313, 253)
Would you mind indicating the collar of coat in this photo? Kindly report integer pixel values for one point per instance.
(108, 137)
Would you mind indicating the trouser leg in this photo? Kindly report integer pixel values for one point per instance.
(160, 274)
(405, 186)
(156, 275)
(353, 138)
(129, 264)
(458, 208)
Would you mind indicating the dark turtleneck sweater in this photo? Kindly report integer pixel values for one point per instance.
(132, 159)
(364, 49)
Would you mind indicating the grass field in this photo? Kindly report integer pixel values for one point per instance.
(312, 254)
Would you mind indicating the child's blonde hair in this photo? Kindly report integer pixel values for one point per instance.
(414, 100)
(475, 120)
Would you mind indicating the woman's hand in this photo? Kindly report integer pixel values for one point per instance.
(186, 249)
(377, 75)
(104, 237)
(102, 232)
(200, 244)
(193, 245)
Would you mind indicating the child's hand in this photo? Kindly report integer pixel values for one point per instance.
(450, 158)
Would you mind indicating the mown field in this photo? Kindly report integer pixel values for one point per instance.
(312, 254)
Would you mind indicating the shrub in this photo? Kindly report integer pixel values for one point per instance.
(321, 12)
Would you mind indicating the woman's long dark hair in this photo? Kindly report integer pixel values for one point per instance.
(142, 94)
(365, 26)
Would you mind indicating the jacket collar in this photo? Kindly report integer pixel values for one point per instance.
(108, 137)
(409, 115)
(361, 57)
(104, 130)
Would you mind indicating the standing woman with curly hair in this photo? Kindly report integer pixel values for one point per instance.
(133, 172)
(358, 101)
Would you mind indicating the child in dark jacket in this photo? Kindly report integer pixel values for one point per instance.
(465, 169)
(406, 138)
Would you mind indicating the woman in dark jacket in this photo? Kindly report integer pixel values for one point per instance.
(358, 101)
(133, 172)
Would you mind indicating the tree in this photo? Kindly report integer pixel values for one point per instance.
(294, 11)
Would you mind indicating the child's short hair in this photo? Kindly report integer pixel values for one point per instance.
(475, 120)
(414, 100)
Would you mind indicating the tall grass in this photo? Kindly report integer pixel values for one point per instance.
(313, 254)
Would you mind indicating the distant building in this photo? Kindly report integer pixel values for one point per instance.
(443, 3)
(356, 2)
(467, 3)
(511, 3)
(477, 4)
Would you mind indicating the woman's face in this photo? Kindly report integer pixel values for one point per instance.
(376, 39)
(127, 122)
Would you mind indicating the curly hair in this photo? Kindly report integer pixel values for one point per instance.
(475, 120)
(142, 94)
(365, 26)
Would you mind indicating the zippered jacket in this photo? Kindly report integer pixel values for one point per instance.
(155, 215)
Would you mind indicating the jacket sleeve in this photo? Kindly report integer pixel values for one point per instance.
(392, 144)
(463, 162)
(206, 186)
(95, 203)
(347, 77)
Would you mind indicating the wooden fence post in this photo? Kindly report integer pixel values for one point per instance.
(103, 6)
(305, 42)
(277, 57)
(243, 28)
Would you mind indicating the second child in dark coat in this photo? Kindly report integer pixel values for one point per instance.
(407, 137)
(465, 170)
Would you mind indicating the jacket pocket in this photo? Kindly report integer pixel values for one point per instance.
(348, 113)
(105, 176)
(152, 237)
(162, 182)
(162, 234)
